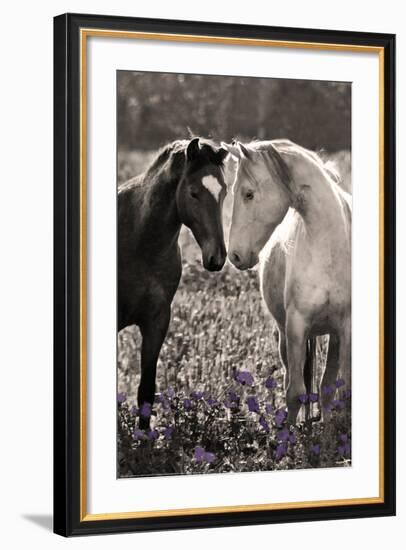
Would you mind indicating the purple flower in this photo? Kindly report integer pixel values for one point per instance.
(233, 397)
(280, 417)
(163, 400)
(232, 401)
(337, 404)
(292, 438)
(166, 404)
(303, 398)
(153, 434)
(138, 434)
(281, 450)
(146, 410)
(202, 456)
(211, 402)
(328, 390)
(315, 449)
(209, 457)
(187, 404)
(168, 432)
(196, 395)
(199, 454)
(343, 438)
(170, 392)
(134, 410)
(270, 383)
(346, 394)
(264, 424)
(313, 397)
(283, 435)
(244, 377)
(121, 397)
(253, 405)
(339, 383)
(269, 408)
(344, 450)
(328, 407)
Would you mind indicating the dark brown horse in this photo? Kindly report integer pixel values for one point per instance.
(183, 185)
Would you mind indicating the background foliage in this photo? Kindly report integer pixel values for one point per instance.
(154, 108)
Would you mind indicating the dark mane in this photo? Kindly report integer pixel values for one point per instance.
(165, 153)
(171, 158)
(209, 154)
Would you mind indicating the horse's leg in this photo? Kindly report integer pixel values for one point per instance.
(330, 375)
(296, 331)
(153, 332)
(283, 355)
(345, 354)
(310, 375)
(307, 375)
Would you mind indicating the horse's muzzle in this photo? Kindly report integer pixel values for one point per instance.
(240, 262)
(214, 262)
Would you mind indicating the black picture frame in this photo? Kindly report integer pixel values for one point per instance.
(67, 354)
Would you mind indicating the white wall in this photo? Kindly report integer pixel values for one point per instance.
(26, 268)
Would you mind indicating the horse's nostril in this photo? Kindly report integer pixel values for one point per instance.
(235, 258)
(215, 263)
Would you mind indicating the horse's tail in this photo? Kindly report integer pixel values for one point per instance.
(309, 371)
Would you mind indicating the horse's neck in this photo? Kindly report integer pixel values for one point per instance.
(318, 201)
(160, 213)
(322, 211)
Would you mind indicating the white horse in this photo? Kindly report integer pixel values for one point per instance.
(288, 204)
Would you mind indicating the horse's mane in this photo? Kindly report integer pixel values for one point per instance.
(177, 148)
(172, 156)
(285, 234)
(165, 152)
(289, 147)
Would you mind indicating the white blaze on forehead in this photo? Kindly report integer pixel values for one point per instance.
(213, 185)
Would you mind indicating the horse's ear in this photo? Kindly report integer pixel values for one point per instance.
(244, 151)
(193, 149)
(222, 154)
(275, 155)
(280, 165)
(232, 149)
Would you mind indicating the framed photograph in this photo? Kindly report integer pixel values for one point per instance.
(224, 331)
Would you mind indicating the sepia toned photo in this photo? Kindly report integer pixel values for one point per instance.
(233, 274)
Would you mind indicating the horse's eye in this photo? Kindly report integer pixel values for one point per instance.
(249, 195)
(194, 194)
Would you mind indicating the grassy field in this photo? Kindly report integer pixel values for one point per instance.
(220, 401)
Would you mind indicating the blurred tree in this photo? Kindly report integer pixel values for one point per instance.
(154, 108)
